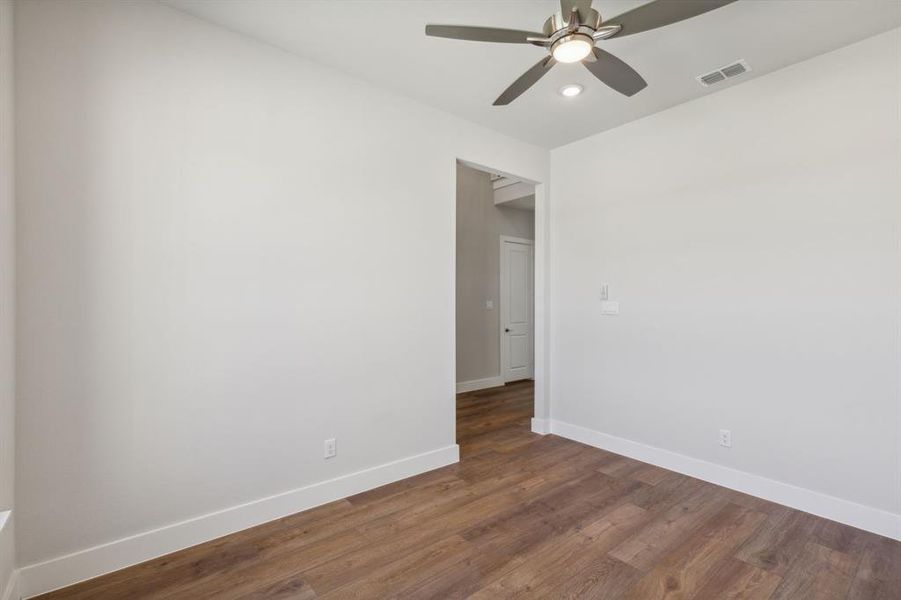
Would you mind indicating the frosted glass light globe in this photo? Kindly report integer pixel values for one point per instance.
(572, 48)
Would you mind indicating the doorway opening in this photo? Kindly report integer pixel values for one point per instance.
(495, 302)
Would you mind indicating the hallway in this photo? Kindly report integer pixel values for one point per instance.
(495, 419)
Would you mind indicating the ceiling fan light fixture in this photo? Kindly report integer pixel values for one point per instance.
(570, 34)
(570, 90)
(572, 48)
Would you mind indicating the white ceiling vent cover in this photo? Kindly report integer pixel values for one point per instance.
(723, 73)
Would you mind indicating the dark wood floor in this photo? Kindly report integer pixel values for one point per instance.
(528, 516)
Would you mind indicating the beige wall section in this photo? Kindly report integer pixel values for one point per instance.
(758, 272)
(479, 226)
(227, 306)
(7, 291)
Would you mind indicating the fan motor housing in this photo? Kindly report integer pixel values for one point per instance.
(558, 26)
(557, 21)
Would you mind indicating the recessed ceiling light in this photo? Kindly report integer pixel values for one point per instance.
(573, 89)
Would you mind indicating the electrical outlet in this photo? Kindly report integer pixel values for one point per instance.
(725, 438)
(331, 448)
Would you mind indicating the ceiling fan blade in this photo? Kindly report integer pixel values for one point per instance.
(481, 34)
(662, 12)
(615, 73)
(567, 6)
(525, 81)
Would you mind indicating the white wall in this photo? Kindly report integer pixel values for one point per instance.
(479, 226)
(201, 304)
(752, 239)
(226, 255)
(7, 294)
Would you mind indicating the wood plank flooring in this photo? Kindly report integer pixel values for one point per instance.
(527, 516)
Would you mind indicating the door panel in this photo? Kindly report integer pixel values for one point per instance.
(519, 304)
(519, 351)
(516, 310)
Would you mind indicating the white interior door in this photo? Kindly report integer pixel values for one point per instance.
(516, 309)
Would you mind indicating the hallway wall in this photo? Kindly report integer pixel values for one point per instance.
(479, 226)
(7, 294)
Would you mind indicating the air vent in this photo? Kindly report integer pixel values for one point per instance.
(711, 78)
(733, 70)
(724, 73)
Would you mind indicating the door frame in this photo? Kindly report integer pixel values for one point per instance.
(541, 255)
(502, 305)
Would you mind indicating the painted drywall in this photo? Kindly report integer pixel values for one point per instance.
(480, 223)
(752, 240)
(7, 297)
(509, 194)
(226, 255)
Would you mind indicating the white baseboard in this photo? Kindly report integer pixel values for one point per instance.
(541, 426)
(844, 511)
(12, 587)
(479, 384)
(92, 562)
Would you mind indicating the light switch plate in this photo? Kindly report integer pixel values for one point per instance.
(330, 448)
(609, 307)
(489, 304)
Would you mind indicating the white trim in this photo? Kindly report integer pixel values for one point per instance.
(12, 587)
(516, 190)
(541, 333)
(517, 240)
(10, 590)
(479, 384)
(541, 426)
(502, 305)
(86, 564)
(844, 511)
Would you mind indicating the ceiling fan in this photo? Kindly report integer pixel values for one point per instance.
(570, 36)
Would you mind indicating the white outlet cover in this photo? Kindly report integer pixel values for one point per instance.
(725, 438)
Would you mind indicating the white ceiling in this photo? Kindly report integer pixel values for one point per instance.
(390, 49)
